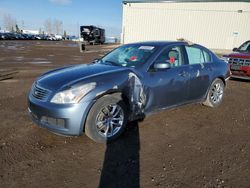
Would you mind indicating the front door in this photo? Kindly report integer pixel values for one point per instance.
(168, 87)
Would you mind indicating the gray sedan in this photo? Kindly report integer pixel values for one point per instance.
(127, 84)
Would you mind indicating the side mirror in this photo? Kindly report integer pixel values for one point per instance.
(235, 49)
(162, 65)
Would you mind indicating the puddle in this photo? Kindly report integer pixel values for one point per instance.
(40, 62)
(20, 58)
(40, 59)
(77, 59)
(51, 55)
(9, 81)
(72, 45)
(11, 47)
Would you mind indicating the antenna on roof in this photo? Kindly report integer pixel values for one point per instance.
(185, 40)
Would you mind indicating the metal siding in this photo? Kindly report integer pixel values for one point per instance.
(214, 25)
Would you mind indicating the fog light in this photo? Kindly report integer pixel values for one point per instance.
(53, 121)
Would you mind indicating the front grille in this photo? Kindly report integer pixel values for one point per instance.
(40, 93)
(239, 61)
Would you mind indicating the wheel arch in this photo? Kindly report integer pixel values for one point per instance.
(222, 78)
(114, 93)
(219, 77)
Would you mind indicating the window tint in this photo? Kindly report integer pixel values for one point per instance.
(173, 56)
(197, 55)
(207, 57)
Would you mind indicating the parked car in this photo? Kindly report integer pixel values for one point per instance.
(125, 85)
(9, 36)
(38, 37)
(2, 37)
(73, 38)
(58, 37)
(239, 61)
(19, 36)
(29, 36)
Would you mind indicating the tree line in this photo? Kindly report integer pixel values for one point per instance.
(50, 26)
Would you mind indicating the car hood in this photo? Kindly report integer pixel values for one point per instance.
(68, 76)
(239, 55)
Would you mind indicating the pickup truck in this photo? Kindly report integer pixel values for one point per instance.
(239, 61)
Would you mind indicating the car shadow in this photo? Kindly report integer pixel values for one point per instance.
(239, 80)
(121, 166)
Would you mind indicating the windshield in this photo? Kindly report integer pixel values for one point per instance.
(129, 55)
(245, 47)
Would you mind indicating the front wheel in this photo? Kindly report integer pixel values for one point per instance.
(106, 120)
(215, 93)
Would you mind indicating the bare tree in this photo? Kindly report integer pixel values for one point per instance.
(58, 26)
(22, 24)
(9, 22)
(53, 27)
(48, 26)
(40, 31)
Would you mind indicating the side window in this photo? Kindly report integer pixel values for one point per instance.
(174, 56)
(197, 55)
(207, 57)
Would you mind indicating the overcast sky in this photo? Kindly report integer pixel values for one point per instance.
(31, 14)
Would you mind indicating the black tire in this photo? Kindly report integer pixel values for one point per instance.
(97, 133)
(215, 93)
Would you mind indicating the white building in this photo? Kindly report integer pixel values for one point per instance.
(214, 24)
(34, 32)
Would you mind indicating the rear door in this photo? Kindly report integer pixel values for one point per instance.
(200, 71)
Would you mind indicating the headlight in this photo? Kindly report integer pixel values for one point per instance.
(226, 59)
(73, 95)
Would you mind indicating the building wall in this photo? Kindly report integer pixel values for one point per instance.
(217, 25)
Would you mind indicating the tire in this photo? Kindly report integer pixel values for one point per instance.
(107, 119)
(215, 93)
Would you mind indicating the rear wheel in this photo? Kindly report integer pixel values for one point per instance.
(215, 93)
(106, 120)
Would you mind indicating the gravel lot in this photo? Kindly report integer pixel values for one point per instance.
(191, 146)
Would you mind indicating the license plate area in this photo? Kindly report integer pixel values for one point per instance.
(235, 67)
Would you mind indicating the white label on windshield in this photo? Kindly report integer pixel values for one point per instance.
(146, 47)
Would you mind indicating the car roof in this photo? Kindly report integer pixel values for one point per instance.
(158, 43)
(163, 44)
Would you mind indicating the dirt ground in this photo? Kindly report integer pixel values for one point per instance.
(191, 146)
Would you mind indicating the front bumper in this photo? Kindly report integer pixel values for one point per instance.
(243, 72)
(59, 118)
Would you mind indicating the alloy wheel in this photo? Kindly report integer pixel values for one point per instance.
(217, 93)
(109, 120)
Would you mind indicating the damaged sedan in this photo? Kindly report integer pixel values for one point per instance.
(127, 84)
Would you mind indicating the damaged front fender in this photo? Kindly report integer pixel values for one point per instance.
(136, 95)
(130, 88)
